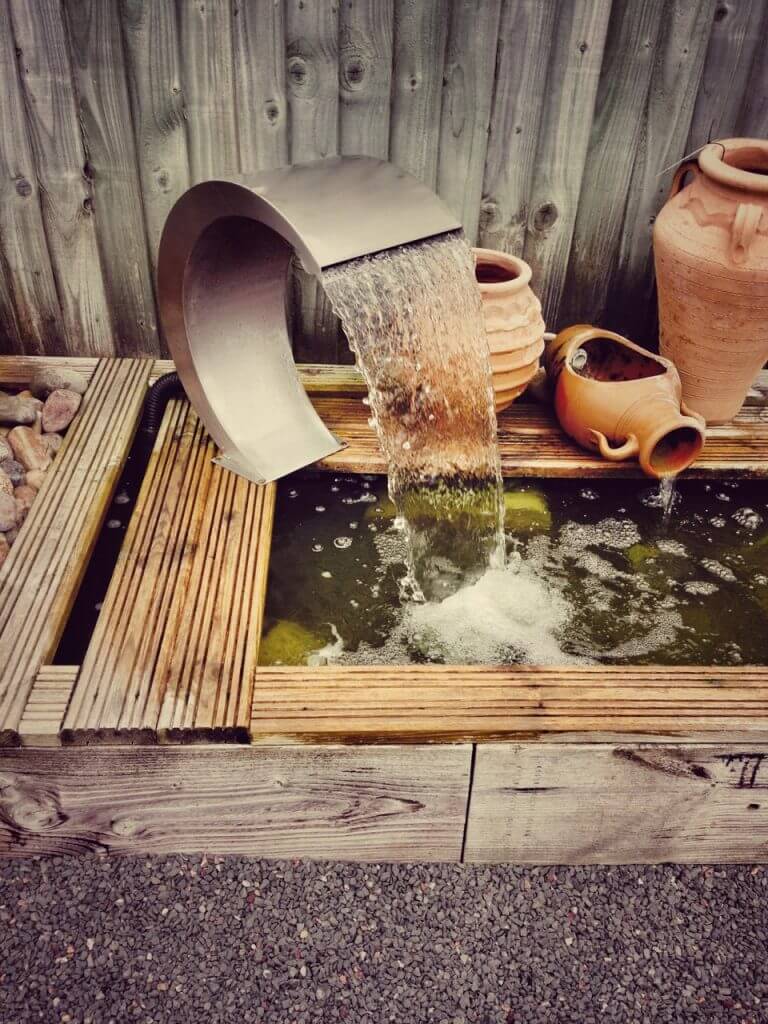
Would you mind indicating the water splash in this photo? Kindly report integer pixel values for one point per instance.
(414, 321)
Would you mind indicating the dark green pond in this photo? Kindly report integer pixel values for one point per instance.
(595, 573)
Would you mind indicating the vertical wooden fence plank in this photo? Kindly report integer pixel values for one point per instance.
(421, 31)
(151, 40)
(365, 76)
(671, 96)
(67, 201)
(616, 133)
(562, 148)
(99, 69)
(261, 104)
(725, 81)
(30, 316)
(469, 70)
(525, 39)
(205, 30)
(753, 116)
(312, 53)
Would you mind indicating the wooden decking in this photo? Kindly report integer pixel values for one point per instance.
(169, 736)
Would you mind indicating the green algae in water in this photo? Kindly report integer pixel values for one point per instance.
(594, 574)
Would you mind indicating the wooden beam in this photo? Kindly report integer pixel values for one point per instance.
(591, 803)
(452, 703)
(373, 804)
(40, 577)
(176, 643)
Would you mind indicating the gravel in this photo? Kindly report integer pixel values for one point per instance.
(195, 939)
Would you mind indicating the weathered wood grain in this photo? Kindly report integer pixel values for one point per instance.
(66, 194)
(531, 443)
(151, 38)
(365, 76)
(205, 31)
(312, 55)
(726, 80)
(470, 65)
(451, 703)
(561, 150)
(421, 31)
(372, 804)
(753, 116)
(540, 803)
(261, 104)
(40, 577)
(98, 65)
(616, 134)
(672, 92)
(525, 40)
(176, 643)
(30, 315)
(18, 370)
(43, 714)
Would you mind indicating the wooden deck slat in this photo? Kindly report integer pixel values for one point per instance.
(175, 647)
(39, 580)
(424, 703)
(41, 720)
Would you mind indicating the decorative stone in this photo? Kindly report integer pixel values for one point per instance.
(5, 450)
(59, 410)
(28, 448)
(6, 485)
(11, 535)
(8, 514)
(52, 442)
(5, 548)
(50, 379)
(25, 497)
(34, 479)
(14, 470)
(17, 410)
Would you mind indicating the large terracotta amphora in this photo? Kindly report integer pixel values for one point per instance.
(710, 246)
(513, 323)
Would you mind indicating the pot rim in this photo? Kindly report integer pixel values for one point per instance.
(599, 333)
(713, 164)
(505, 260)
(648, 447)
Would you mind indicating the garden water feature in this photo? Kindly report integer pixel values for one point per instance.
(413, 318)
(594, 574)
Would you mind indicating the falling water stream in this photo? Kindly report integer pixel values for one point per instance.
(414, 321)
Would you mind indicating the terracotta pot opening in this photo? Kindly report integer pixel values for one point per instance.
(752, 159)
(605, 359)
(676, 450)
(738, 163)
(494, 273)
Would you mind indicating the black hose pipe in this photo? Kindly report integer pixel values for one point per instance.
(162, 391)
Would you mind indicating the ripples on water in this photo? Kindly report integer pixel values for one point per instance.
(414, 321)
(593, 574)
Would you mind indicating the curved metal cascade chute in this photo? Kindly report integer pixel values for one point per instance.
(223, 271)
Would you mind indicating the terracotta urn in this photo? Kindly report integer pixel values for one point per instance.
(710, 246)
(513, 322)
(617, 398)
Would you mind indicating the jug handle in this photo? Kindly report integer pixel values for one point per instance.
(630, 447)
(686, 410)
(745, 226)
(685, 167)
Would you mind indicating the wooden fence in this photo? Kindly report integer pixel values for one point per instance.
(546, 125)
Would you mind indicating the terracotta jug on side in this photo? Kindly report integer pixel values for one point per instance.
(614, 396)
(513, 322)
(710, 246)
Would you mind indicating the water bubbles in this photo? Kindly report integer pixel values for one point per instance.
(718, 569)
(335, 490)
(748, 518)
(672, 547)
(342, 542)
(700, 587)
(319, 508)
(122, 498)
(588, 495)
(317, 547)
(717, 521)
(293, 494)
(353, 525)
(326, 575)
(722, 496)
(114, 524)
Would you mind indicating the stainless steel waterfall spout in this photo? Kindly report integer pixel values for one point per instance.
(222, 277)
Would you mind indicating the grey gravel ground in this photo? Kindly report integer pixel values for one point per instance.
(236, 940)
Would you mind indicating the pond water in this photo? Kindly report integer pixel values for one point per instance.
(595, 573)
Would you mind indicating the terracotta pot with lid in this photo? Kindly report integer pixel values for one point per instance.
(710, 246)
(513, 322)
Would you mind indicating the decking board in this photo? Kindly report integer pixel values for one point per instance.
(174, 650)
(486, 703)
(40, 577)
